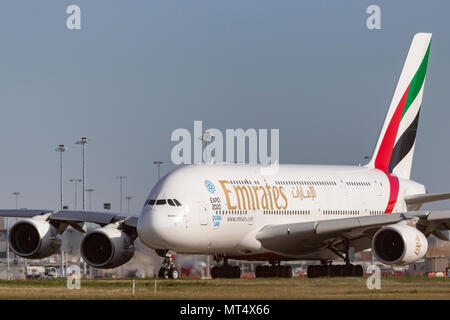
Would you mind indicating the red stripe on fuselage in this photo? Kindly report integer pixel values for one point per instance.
(393, 192)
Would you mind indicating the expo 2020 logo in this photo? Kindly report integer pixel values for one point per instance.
(210, 186)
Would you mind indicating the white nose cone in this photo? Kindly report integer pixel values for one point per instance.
(150, 230)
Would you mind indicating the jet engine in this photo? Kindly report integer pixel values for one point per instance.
(107, 248)
(399, 244)
(34, 238)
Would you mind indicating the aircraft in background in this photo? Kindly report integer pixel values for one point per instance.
(277, 213)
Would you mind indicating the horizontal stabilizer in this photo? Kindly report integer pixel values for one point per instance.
(426, 197)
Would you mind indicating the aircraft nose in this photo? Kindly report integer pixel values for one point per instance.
(151, 229)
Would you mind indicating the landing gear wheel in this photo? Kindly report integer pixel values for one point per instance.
(359, 271)
(265, 271)
(340, 271)
(174, 273)
(273, 271)
(214, 272)
(284, 272)
(168, 270)
(326, 269)
(278, 271)
(236, 272)
(311, 271)
(288, 272)
(258, 272)
(348, 270)
(230, 272)
(163, 273)
(225, 271)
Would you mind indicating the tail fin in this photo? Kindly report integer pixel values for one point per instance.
(395, 147)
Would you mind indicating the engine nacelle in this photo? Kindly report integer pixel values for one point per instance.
(106, 248)
(34, 238)
(399, 244)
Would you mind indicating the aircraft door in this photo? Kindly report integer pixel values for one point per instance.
(378, 189)
(251, 217)
(341, 183)
(203, 213)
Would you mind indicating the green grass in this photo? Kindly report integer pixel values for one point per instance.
(267, 288)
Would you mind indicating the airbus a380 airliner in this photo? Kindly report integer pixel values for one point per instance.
(275, 214)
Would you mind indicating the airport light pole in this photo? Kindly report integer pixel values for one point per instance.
(17, 194)
(83, 143)
(121, 178)
(90, 191)
(128, 199)
(158, 163)
(75, 181)
(61, 148)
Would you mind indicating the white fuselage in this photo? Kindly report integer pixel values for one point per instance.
(224, 206)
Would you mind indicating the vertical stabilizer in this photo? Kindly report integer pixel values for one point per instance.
(395, 146)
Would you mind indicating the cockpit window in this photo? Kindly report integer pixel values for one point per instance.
(159, 202)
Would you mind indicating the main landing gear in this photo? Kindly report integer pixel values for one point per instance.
(326, 269)
(329, 270)
(274, 270)
(168, 270)
(225, 270)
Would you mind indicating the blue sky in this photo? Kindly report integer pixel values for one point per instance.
(137, 70)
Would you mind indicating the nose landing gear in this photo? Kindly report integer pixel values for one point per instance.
(168, 270)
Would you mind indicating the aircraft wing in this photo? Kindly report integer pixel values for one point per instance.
(75, 218)
(23, 213)
(305, 237)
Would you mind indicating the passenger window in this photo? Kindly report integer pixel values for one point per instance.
(171, 202)
(177, 202)
(160, 202)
